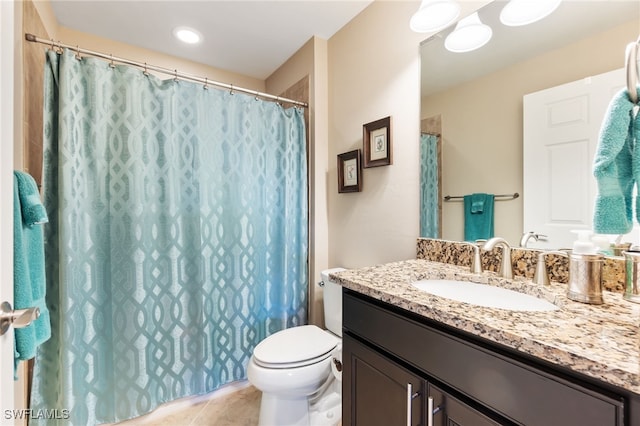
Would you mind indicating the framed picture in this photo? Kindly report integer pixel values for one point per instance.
(349, 172)
(376, 140)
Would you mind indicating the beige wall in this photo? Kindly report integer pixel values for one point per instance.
(374, 72)
(482, 124)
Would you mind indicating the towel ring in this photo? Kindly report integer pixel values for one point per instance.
(631, 65)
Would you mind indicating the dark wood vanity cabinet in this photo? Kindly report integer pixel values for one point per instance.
(397, 365)
(380, 392)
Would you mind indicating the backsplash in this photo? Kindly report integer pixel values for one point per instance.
(523, 261)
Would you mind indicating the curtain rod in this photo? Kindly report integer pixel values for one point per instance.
(175, 73)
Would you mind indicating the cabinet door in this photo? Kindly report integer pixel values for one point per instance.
(450, 411)
(377, 391)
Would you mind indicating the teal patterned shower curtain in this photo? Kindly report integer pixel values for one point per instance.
(429, 192)
(178, 237)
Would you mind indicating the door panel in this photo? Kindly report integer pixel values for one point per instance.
(561, 127)
(449, 411)
(376, 390)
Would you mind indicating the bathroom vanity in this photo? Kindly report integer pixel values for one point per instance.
(409, 355)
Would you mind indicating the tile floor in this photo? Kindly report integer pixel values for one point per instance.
(236, 405)
(233, 407)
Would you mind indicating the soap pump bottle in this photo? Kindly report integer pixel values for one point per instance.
(585, 270)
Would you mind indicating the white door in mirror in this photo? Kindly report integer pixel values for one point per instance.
(561, 127)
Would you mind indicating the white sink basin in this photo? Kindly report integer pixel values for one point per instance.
(484, 295)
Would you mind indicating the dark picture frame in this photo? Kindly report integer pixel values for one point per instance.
(350, 171)
(376, 143)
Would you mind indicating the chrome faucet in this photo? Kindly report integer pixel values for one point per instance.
(528, 235)
(476, 262)
(505, 267)
(541, 275)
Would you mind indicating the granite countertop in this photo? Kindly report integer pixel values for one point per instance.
(600, 341)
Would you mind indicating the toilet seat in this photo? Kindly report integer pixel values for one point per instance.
(295, 347)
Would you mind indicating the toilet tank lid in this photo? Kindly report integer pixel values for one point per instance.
(325, 274)
(295, 344)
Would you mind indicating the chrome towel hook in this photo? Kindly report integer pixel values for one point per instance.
(631, 66)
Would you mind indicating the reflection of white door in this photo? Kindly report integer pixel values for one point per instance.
(6, 201)
(561, 127)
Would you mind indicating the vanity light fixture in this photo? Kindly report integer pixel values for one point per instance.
(470, 34)
(434, 15)
(523, 12)
(187, 35)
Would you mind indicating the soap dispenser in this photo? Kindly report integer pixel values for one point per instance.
(585, 270)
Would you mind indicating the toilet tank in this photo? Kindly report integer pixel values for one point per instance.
(332, 302)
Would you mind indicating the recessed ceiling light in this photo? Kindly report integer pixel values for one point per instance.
(187, 35)
(524, 12)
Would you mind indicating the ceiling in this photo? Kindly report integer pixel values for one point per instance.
(252, 38)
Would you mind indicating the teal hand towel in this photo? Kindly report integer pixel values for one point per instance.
(477, 203)
(478, 216)
(613, 169)
(28, 254)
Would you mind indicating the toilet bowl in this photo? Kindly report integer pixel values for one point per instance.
(295, 369)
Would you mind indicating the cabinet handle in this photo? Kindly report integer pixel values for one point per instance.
(431, 411)
(410, 397)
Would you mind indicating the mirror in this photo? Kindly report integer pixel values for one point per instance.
(474, 99)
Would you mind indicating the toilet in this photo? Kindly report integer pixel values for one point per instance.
(298, 369)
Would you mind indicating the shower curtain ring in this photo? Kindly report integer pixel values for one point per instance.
(56, 47)
(206, 84)
(231, 90)
(53, 46)
(78, 56)
(146, 71)
(175, 75)
(111, 64)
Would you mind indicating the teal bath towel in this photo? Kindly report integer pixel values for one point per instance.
(613, 170)
(28, 257)
(478, 217)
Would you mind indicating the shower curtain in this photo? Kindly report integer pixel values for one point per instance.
(429, 193)
(177, 237)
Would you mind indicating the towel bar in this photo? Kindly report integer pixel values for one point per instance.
(498, 197)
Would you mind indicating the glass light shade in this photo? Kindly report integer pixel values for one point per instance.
(434, 15)
(470, 34)
(187, 35)
(523, 12)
